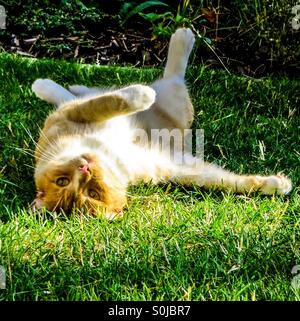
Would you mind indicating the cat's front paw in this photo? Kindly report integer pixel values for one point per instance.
(276, 184)
(138, 97)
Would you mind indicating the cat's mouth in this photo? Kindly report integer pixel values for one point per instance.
(88, 158)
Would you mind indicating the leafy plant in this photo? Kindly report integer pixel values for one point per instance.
(164, 23)
(262, 28)
(130, 9)
(66, 16)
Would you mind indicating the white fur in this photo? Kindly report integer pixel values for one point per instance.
(48, 90)
(181, 45)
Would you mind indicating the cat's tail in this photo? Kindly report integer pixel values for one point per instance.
(50, 91)
(181, 45)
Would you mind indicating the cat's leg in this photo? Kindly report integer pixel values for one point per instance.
(80, 90)
(212, 176)
(180, 47)
(102, 107)
(173, 107)
(50, 91)
(186, 169)
(172, 94)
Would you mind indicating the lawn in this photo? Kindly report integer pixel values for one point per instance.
(173, 243)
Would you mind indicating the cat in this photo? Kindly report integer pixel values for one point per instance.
(88, 152)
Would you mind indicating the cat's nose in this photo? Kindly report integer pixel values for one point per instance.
(84, 169)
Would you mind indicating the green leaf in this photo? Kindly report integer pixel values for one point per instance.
(154, 16)
(178, 18)
(126, 7)
(207, 40)
(143, 6)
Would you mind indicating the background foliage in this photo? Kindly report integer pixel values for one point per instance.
(251, 36)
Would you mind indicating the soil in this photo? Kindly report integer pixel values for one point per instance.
(131, 46)
(108, 44)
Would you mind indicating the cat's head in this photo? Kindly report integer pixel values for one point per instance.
(65, 183)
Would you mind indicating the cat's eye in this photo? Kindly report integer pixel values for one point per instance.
(93, 194)
(62, 181)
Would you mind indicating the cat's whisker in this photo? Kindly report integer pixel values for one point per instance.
(58, 203)
(50, 154)
(52, 144)
(42, 134)
(29, 134)
(43, 155)
(95, 209)
(24, 151)
(29, 152)
(52, 151)
(31, 167)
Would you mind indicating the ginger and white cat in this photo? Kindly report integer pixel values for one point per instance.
(87, 154)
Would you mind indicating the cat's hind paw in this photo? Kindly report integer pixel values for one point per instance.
(79, 90)
(50, 91)
(276, 184)
(44, 89)
(183, 41)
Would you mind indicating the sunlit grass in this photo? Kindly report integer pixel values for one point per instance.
(173, 243)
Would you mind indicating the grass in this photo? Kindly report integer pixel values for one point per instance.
(173, 244)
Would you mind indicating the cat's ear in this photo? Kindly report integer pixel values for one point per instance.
(37, 203)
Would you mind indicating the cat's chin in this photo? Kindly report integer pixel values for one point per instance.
(88, 157)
